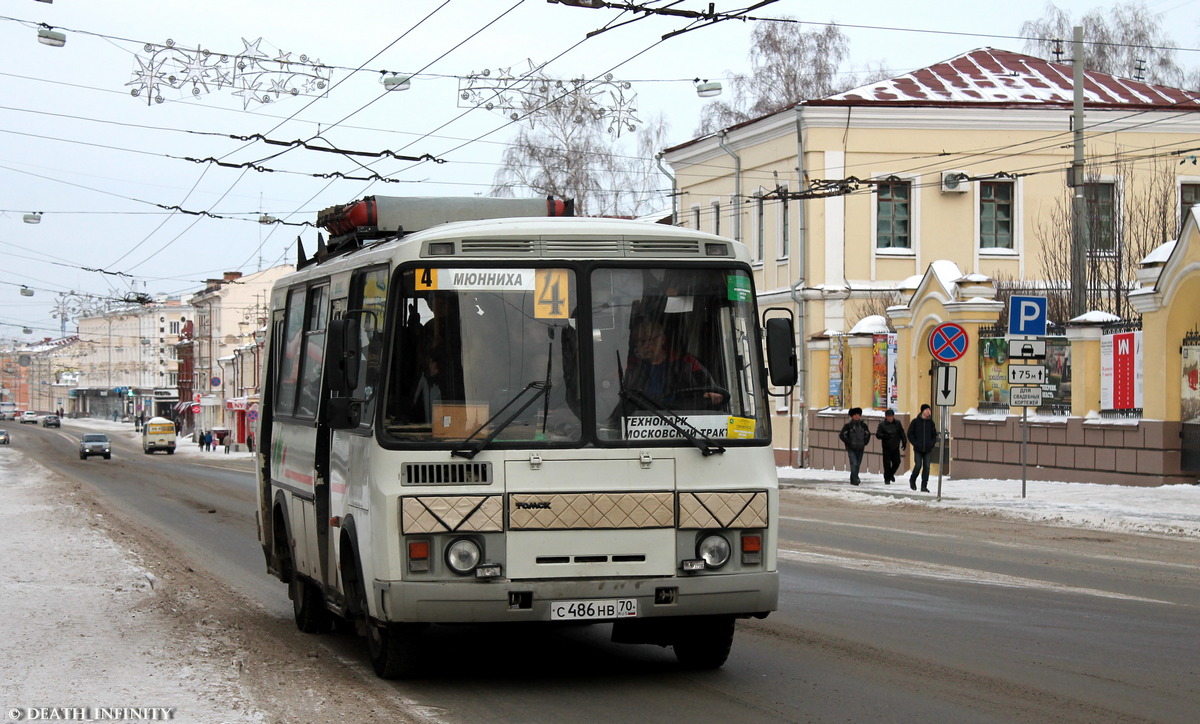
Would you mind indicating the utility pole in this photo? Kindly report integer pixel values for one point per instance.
(1079, 225)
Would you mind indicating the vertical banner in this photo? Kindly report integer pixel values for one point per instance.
(1189, 399)
(893, 345)
(1057, 390)
(879, 371)
(835, 372)
(1121, 371)
(993, 370)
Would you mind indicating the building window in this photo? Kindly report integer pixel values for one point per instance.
(174, 327)
(892, 215)
(760, 228)
(1101, 209)
(785, 223)
(716, 212)
(696, 217)
(996, 215)
(1189, 194)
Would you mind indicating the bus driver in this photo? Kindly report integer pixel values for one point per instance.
(664, 375)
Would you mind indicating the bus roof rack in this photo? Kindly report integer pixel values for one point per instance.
(379, 217)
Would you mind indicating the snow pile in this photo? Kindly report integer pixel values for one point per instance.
(1168, 509)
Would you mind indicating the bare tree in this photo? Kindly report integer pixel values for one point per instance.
(875, 303)
(1145, 216)
(1126, 40)
(567, 153)
(788, 65)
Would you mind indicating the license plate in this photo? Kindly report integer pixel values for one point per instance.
(596, 608)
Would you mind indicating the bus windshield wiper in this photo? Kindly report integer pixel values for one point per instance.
(542, 388)
(699, 440)
(470, 450)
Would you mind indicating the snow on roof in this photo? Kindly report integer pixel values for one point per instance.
(1096, 317)
(993, 76)
(947, 272)
(1160, 254)
(871, 324)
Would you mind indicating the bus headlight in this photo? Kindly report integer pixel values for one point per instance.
(463, 555)
(713, 550)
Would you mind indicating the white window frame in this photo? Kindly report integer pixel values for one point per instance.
(783, 225)
(1018, 222)
(914, 220)
(760, 226)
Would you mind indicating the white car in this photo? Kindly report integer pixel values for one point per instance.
(29, 416)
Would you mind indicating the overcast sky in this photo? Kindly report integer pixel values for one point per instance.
(76, 145)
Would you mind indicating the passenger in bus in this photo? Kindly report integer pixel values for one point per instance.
(665, 375)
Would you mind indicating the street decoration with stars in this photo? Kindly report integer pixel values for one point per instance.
(254, 76)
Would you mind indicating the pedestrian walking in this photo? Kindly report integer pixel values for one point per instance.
(922, 435)
(855, 435)
(228, 441)
(891, 435)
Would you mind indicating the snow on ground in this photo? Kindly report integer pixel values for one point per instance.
(82, 626)
(1167, 509)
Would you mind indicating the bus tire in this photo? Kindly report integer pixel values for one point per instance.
(393, 649)
(704, 643)
(308, 606)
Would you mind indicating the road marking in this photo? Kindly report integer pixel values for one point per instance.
(999, 544)
(898, 567)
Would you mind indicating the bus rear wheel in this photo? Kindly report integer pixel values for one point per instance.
(704, 643)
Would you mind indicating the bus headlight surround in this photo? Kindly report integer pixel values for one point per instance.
(463, 555)
(713, 550)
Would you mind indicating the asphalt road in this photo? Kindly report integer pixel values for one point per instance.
(888, 613)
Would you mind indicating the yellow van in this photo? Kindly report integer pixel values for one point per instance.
(158, 434)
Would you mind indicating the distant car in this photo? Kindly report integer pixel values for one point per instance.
(94, 443)
(51, 421)
(4, 439)
(29, 416)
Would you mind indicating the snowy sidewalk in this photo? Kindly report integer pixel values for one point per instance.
(1168, 509)
(84, 634)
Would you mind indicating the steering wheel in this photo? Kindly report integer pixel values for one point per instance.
(699, 393)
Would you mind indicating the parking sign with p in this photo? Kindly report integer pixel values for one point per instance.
(1027, 316)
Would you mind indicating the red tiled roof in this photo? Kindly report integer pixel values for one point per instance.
(989, 76)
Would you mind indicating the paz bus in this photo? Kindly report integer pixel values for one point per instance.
(487, 410)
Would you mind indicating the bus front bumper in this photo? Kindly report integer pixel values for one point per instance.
(742, 594)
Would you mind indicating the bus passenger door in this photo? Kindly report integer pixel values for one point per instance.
(321, 485)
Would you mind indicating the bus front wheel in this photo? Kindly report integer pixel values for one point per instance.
(308, 606)
(393, 649)
(704, 643)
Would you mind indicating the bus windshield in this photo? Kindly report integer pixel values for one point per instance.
(477, 346)
(494, 356)
(675, 348)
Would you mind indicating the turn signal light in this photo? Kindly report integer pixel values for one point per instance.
(418, 556)
(751, 549)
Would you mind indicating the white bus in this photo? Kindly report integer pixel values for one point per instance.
(519, 419)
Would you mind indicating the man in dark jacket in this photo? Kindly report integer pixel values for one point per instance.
(922, 435)
(891, 434)
(855, 435)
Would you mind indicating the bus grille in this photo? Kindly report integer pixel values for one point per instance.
(464, 473)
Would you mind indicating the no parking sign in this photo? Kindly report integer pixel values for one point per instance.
(948, 342)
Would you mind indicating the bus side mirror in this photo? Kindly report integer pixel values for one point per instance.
(781, 352)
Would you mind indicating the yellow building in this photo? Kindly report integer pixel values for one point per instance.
(850, 202)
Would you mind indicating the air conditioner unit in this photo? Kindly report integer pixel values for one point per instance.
(955, 182)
